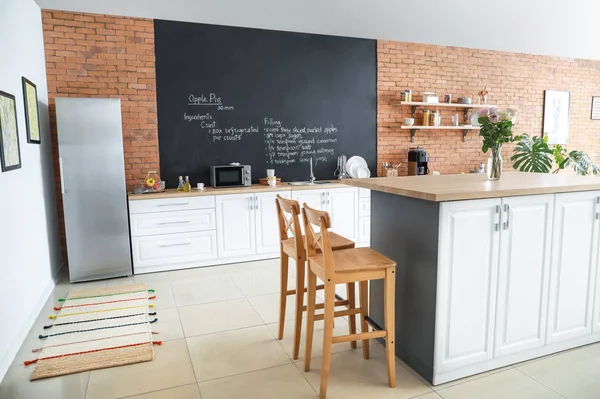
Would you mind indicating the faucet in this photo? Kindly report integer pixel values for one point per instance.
(311, 178)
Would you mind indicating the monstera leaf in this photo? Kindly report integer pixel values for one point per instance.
(580, 161)
(531, 154)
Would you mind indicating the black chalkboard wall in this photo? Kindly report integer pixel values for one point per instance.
(265, 98)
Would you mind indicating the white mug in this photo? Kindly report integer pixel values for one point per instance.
(200, 186)
(272, 180)
(270, 172)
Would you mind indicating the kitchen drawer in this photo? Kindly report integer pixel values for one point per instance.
(364, 207)
(171, 204)
(364, 229)
(364, 193)
(147, 224)
(174, 248)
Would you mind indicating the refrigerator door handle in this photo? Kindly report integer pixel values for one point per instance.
(62, 179)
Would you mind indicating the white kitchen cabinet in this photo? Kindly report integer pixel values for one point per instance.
(235, 225)
(146, 224)
(596, 315)
(364, 230)
(466, 295)
(267, 226)
(171, 204)
(342, 205)
(573, 268)
(313, 198)
(523, 273)
(364, 217)
(168, 249)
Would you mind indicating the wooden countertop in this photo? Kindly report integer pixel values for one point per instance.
(255, 188)
(473, 186)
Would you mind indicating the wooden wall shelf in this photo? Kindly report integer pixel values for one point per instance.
(465, 107)
(439, 127)
(447, 105)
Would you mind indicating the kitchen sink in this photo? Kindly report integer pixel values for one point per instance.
(307, 183)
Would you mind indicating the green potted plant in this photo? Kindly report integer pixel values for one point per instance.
(533, 154)
(495, 129)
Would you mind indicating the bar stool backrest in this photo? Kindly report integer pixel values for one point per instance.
(288, 212)
(320, 240)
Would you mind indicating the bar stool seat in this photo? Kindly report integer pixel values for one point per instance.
(337, 243)
(354, 260)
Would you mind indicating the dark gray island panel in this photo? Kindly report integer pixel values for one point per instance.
(406, 230)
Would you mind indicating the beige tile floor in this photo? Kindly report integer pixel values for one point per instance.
(218, 325)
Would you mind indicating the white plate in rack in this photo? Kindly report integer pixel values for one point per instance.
(362, 172)
(354, 163)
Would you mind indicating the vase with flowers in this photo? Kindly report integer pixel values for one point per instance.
(495, 129)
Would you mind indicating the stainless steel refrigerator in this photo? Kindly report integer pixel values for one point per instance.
(92, 178)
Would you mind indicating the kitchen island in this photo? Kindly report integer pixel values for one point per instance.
(489, 273)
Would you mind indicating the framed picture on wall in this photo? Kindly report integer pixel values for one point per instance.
(557, 104)
(10, 153)
(596, 108)
(32, 115)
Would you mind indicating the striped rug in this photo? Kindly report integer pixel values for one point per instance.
(95, 329)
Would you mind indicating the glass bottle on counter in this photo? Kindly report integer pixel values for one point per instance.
(181, 185)
(187, 187)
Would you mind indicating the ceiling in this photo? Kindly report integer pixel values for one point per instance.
(550, 27)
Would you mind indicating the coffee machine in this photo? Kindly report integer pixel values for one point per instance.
(417, 162)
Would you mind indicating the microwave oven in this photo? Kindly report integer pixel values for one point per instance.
(232, 175)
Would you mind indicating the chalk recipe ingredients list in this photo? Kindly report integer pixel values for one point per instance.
(284, 145)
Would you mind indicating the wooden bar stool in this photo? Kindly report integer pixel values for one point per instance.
(345, 266)
(288, 212)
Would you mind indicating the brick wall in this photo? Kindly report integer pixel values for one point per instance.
(90, 55)
(514, 80)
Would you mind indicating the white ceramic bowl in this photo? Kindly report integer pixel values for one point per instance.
(409, 121)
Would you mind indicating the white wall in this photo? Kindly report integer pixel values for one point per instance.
(29, 244)
(550, 27)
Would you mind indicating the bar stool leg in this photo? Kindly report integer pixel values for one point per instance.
(310, 317)
(390, 299)
(283, 292)
(364, 312)
(327, 336)
(351, 291)
(300, 269)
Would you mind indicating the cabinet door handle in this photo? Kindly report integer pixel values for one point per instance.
(497, 224)
(256, 203)
(175, 245)
(507, 211)
(177, 222)
(175, 204)
(251, 203)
